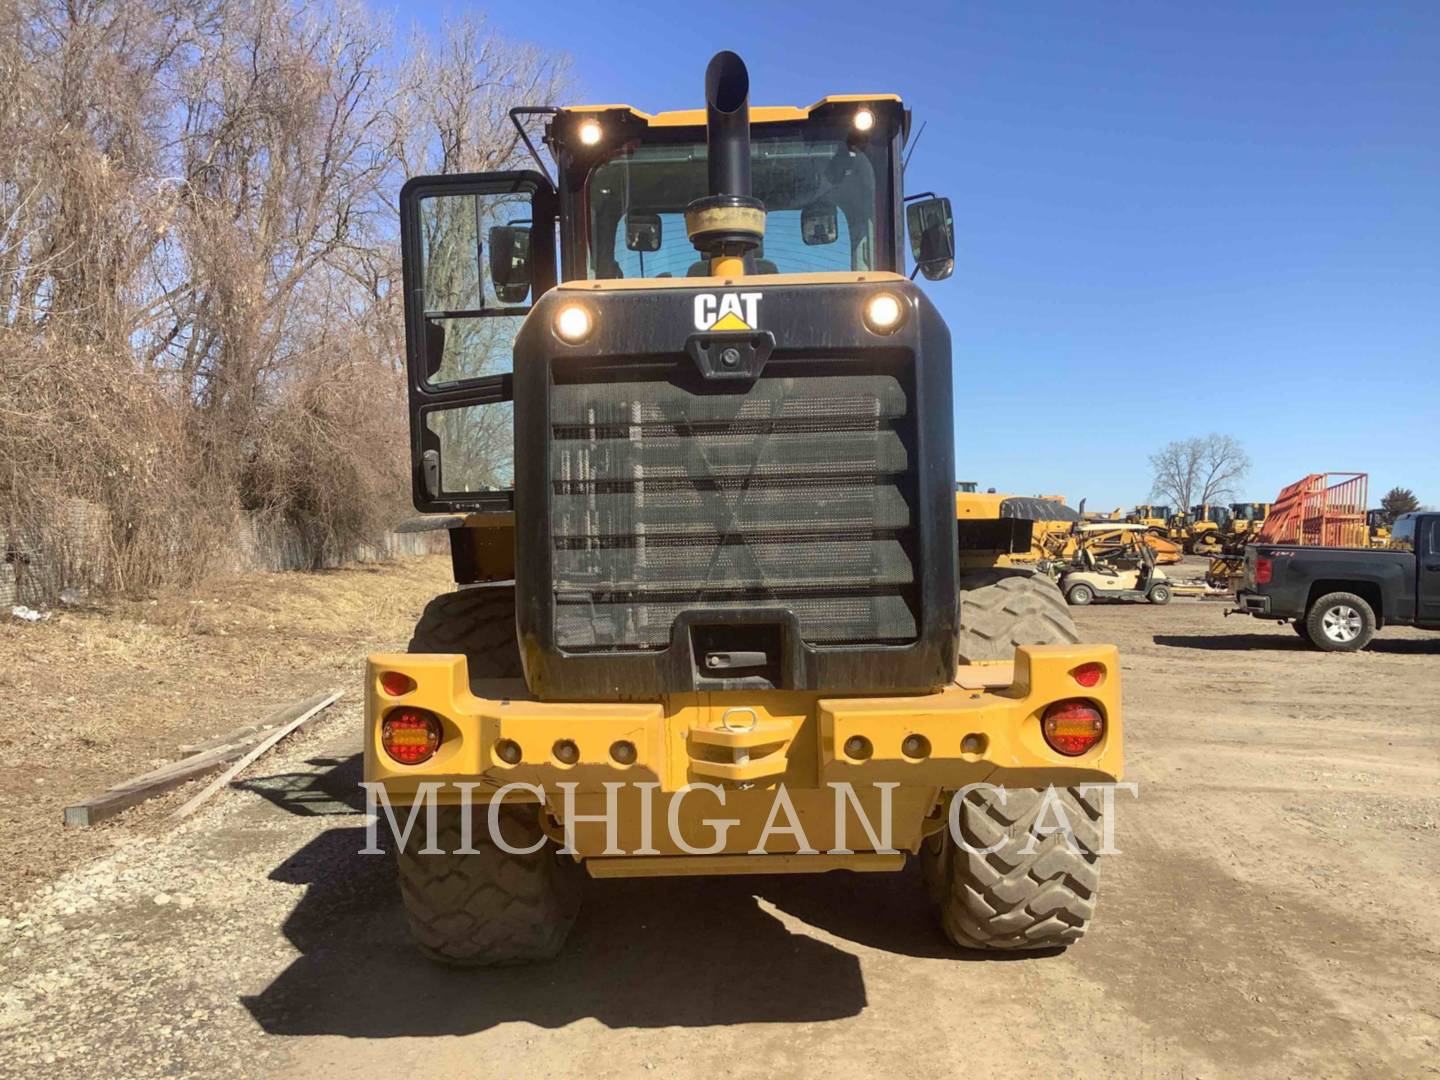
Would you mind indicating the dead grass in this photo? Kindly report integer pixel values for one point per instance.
(93, 697)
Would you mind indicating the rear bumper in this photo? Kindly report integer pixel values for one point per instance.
(983, 729)
(1250, 603)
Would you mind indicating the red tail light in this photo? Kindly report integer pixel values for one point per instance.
(1264, 568)
(1072, 727)
(1088, 675)
(396, 683)
(410, 736)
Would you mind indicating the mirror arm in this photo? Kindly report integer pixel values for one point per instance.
(533, 110)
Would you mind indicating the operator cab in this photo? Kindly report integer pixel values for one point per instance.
(1213, 513)
(480, 250)
(828, 175)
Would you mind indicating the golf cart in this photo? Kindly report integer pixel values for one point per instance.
(1117, 567)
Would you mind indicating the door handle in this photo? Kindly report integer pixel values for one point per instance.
(430, 472)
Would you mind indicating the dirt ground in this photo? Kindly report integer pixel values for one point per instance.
(1270, 913)
(97, 695)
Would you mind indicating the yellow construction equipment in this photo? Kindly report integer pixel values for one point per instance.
(1246, 520)
(1052, 529)
(720, 617)
(1155, 518)
(1207, 526)
(1377, 522)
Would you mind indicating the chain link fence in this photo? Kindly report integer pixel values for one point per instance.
(53, 554)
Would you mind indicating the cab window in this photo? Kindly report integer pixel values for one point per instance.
(819, 194)
(1402, 534)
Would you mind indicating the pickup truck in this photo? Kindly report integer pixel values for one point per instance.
(1336, 598)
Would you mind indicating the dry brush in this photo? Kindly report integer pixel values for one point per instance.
(200, 318)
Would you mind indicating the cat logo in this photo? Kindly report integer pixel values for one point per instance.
(728, 311)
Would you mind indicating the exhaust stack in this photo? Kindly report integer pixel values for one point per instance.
(729, 223)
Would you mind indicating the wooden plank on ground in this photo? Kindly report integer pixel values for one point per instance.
(158, 781)
(239, 766)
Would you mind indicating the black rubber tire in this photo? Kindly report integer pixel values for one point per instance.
(1007, 900)
(490, 908)
(478, 622)
(1315, 622)
(1159, 594)
(1080, 595)
(1000, 609)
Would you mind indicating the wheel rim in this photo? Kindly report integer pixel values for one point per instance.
(1341, 623)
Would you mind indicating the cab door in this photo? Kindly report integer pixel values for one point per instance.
(1427, 560)
(476, 250)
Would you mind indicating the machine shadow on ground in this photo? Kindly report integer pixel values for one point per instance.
(659, 952)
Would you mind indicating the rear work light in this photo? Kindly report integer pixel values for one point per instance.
(410, 736)
(1072, 727)
(1264, 569)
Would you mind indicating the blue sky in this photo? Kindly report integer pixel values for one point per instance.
(1171, 218)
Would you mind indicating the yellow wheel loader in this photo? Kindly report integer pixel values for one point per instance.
(712, 620)
(1209, 525)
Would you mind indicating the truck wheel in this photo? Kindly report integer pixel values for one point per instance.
(1006, 899)
(478, 622)
(1160, 594)
(1079, 595)
(1000, 609)
(492, 907)
(1340, 622)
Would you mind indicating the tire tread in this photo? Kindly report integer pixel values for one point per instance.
(491, 908)
(1000, 609)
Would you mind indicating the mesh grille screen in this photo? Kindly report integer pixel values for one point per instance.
(794, 492)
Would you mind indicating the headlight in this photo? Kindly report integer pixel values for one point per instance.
(864, 120)
(573, 323)
(590, 132)
(884, 312)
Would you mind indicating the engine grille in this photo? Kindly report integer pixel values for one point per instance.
(795, 492)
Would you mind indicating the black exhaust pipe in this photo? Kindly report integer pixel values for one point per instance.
(727, 124)
(729, 222)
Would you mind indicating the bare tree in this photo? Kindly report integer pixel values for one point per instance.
(452, 112)
(199, 268)
(1198, 470)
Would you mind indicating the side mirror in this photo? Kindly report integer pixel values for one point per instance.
(932, 237)
(819, 223)
(642, 232)
(510, 262)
